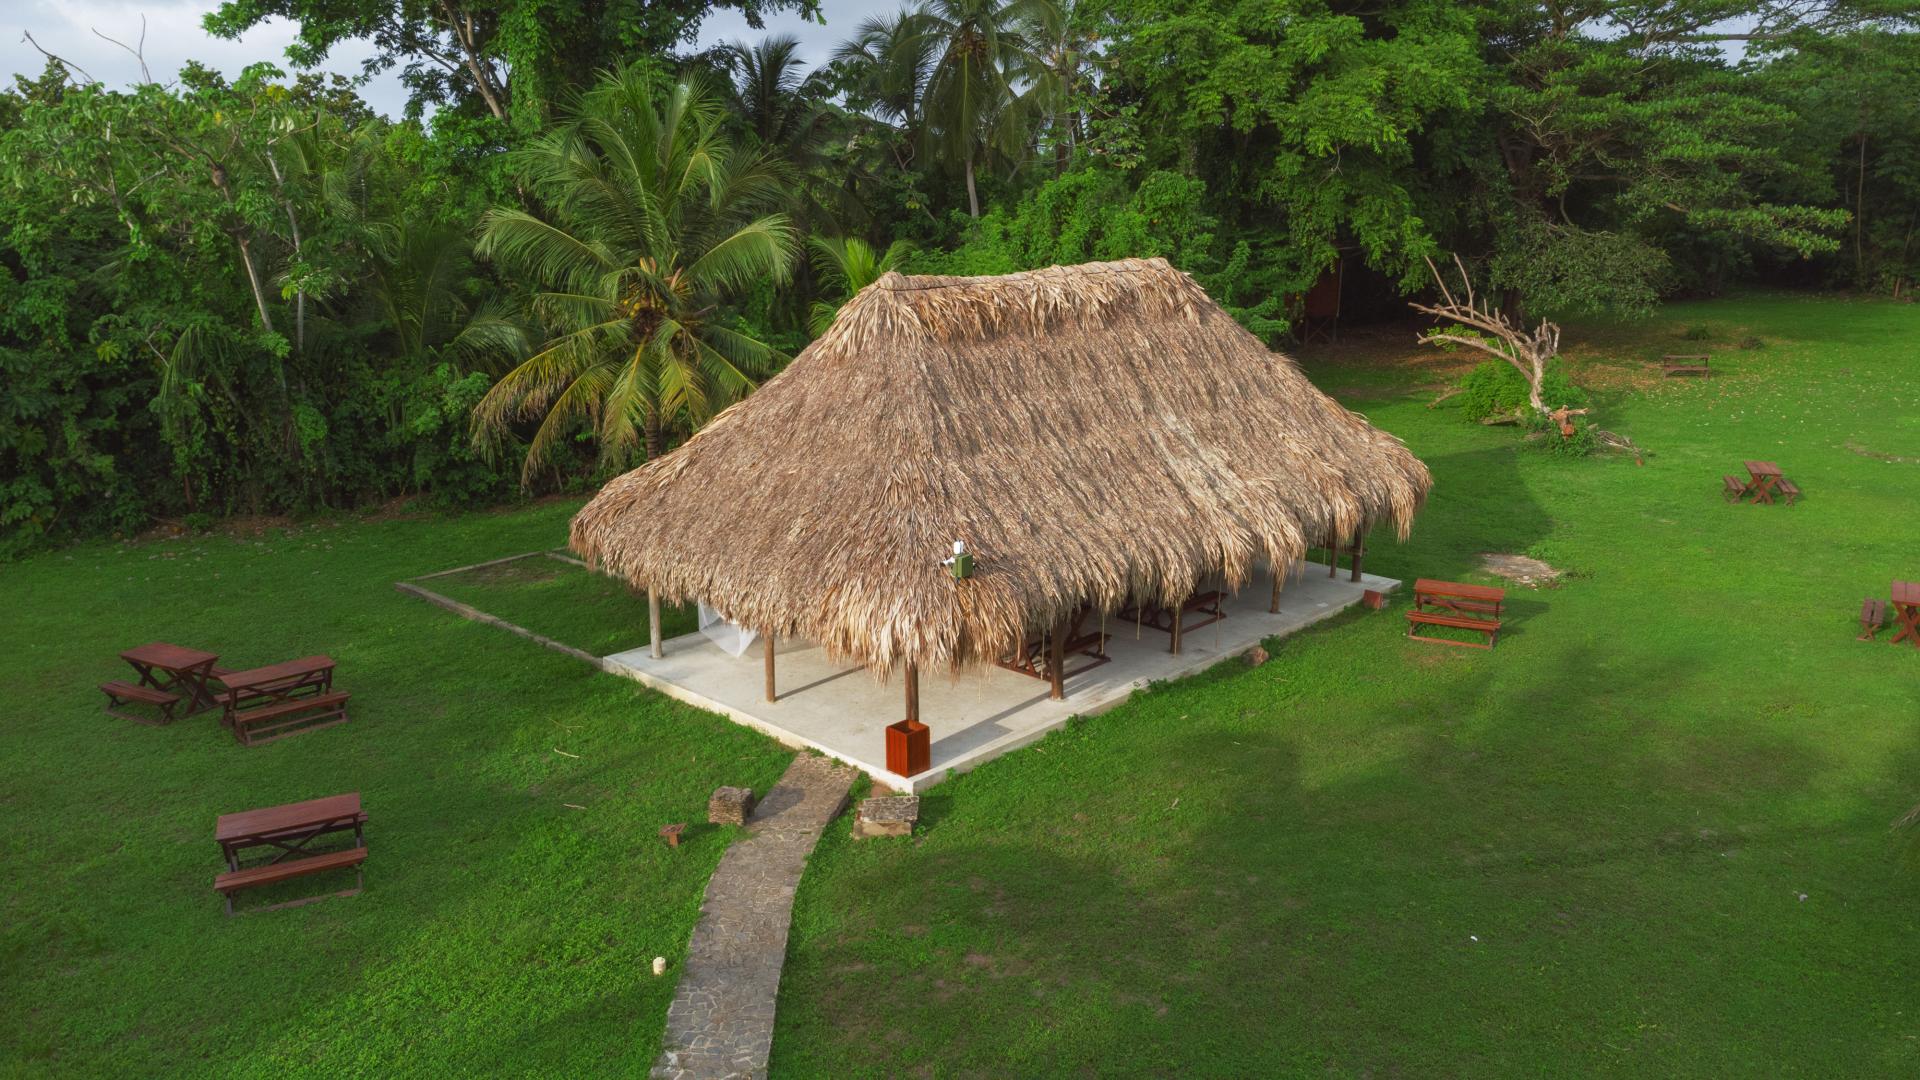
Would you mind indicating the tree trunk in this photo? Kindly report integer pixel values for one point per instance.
(253, 280)
(461, 24)
(973, 196)
(654, 438)
(293, 226)
(1860, 216)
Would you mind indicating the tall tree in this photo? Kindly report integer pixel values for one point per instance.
(884, 70)
(973, 96)
(648, 223)
(774, 97)
(513, 58)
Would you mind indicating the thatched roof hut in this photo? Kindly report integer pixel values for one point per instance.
(1096, 434)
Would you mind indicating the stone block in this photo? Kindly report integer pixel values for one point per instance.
(891, 815)
(730, 806)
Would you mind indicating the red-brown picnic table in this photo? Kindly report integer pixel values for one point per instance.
(175, 669)
(277, 682)
(289, 828)
(1766, 477)
(1906, 606)
(1455, 596)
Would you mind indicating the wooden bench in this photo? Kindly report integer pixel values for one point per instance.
(293, 716)
(1030, 657)
(1873, 615)
(1489, 627)
(121, 694)
(1686, 365)
(1733, 488)
(1459, 606)
(1789, 489)
(233, 881)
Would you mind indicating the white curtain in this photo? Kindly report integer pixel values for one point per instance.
(731, 637)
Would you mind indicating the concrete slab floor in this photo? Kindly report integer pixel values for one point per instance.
(843, 711)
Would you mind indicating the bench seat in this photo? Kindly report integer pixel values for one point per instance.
(1489, 627)
(1789, 489)
(1733, 487)
(294, 716)
(1686, 365)
(1873, 615)
(286, 870)
(120, 693)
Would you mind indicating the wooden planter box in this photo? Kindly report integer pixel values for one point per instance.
(909, 750)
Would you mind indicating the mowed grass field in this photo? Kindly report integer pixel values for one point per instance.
(516, 891)
(1646, 836)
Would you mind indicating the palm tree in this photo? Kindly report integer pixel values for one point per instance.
(847, 266)
(779, 105)
(651, 223)
(1060, 71)
(418, 277)
(973, 100)
(889, 60)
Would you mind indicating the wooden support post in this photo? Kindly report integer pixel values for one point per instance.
(1274, 606)
(909, 746)
(656, 646)
(771, 696)
(1333, 554)
(1359, 549)
(1057, 662)
(1179, 616)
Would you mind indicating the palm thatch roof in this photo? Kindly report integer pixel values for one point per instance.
(1095, 434)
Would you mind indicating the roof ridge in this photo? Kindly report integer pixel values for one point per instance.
(895, 281)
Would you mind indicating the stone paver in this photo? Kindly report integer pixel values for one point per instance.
(721, 1021)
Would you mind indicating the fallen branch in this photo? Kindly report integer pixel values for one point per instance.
(1444, 395)
(563, 753)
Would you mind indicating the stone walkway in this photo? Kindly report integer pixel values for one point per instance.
(721, 1021)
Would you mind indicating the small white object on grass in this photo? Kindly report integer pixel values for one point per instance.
(659, 965)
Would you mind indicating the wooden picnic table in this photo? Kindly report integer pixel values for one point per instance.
(175, 669)
(1457, 605)
(294, 692)
(277, 682)
(1766, 478)
(1906, 606)
(289, 828)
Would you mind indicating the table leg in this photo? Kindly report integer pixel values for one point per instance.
(1909, 616)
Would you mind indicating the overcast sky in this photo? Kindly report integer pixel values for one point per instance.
(66, 28)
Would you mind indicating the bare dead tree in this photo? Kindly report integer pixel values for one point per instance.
(75, 73)
(1493, 333)
(1496, 335)
(139, 54)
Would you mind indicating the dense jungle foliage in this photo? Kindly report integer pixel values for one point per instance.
(586, 235)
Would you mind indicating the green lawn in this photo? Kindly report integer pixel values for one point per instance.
(501, 930)
(591, 612)
(1647, 836)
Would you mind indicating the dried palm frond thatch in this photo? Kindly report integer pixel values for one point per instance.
(1095, 434)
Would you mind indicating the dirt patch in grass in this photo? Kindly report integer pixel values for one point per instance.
(1519, 569)
(1894, 459)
